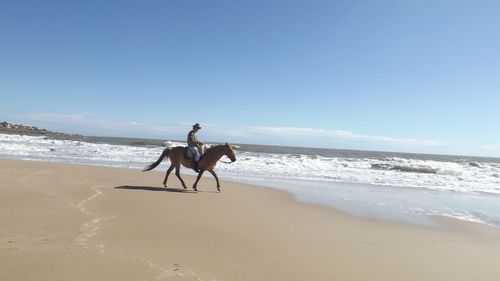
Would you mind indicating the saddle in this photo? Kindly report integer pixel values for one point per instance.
(188, 154)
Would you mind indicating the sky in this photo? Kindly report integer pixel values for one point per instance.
(402, 75)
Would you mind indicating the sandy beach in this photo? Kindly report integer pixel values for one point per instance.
(70, 222)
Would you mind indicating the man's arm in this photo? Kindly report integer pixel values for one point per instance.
(193, 140)
(196, 140)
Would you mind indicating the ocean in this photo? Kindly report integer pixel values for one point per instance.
(412, 188)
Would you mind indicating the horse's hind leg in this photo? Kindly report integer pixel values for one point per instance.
(168, 173)
(177, 168)
(216, 178)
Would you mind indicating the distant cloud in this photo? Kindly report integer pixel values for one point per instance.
(60, 117)
(88, 124)
(77, 119)
(492, 146)
(325, 138)
(87, 120)
(343, 134)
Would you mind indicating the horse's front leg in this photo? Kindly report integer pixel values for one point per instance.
(197, 179)
(216, 178)
(166, 176)
(177, 173)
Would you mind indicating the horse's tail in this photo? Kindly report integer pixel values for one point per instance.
(152, 166)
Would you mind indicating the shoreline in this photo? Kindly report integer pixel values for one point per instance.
(373, 212)
(75, 222)
(318, 176)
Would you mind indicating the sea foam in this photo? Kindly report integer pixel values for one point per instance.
(459, 188)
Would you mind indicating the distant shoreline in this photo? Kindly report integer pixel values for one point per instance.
(12, 128)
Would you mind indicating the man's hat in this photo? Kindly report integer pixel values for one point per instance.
(197, 126)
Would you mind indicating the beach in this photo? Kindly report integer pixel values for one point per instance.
(76, 222)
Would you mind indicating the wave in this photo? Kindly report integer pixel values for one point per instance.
(425, 170)
(390, 171)
(403, 185)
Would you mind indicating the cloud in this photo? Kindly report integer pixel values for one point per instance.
(270, 132)
(77, 119)
(326, 138)
(494, 146)
(65, 118)
(333, 134)
(87, 120)
(88, 124)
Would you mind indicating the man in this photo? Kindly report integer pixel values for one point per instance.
(193, 144)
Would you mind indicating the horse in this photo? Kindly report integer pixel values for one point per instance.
(177, 156)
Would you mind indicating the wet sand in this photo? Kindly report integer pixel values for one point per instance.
(70, 222)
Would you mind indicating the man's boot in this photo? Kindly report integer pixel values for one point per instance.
(196, 165)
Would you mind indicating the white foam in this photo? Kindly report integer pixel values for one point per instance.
(397, 174)
(447, 176)
(435, 175)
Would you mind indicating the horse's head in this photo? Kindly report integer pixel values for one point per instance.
(229, 152)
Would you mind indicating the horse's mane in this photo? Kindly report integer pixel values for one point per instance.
(213, 147)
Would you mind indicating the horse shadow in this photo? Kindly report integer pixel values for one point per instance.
(153, 188)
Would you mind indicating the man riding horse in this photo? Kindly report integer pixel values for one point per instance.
(193, 144)
(178, 157)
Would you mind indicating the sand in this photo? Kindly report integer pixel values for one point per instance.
(70, 222)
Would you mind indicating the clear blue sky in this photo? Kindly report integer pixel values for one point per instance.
(417, 76)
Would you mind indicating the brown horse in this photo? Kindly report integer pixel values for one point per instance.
(177, 156)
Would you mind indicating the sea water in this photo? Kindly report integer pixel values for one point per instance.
(396, 186)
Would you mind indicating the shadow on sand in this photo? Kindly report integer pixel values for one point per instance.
(152, 188)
